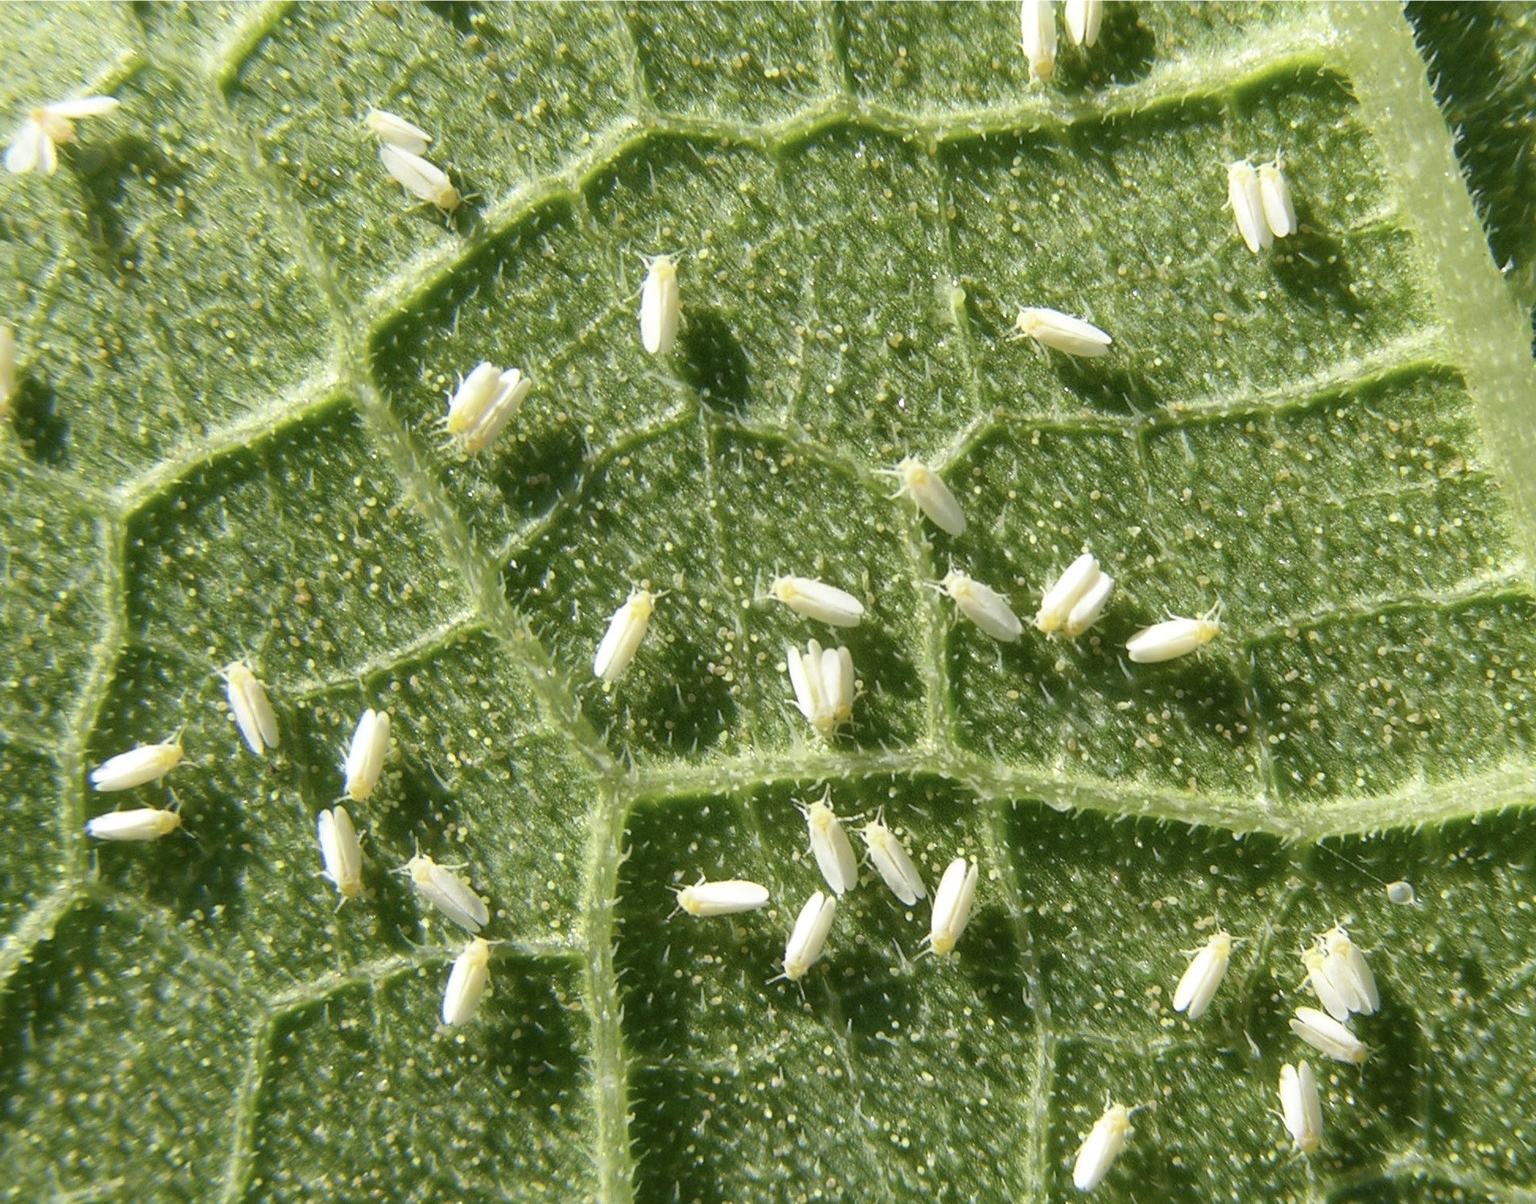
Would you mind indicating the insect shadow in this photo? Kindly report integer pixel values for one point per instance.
(713, 361)
(1124, 52)
(40, 429)
(1313, 269)
(102, 171)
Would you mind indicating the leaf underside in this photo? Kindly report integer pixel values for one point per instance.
(235, 340)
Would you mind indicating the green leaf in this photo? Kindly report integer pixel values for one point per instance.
(235, 337)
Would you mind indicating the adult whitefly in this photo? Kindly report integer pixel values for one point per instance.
(823, 683)
(626, 629)
(1275, 198)
(447, 892)
(482, 406)
(892, 862)
(1300, 1106)
(1328, 1036)
(394, 130)
(817, 600)
(1101, 1147)
(35, 146)
(1335, 1002)
(1051, 329)
(983, 606)
(1066, 591)
(1203, 976)
(366, 753)
(139, 824)
(249, 704)
(467, 981)
(1173, 638)
(660, 305)
(952, 903)
(424, 180)
(1037, 34)
(1087, 609)
(809, 937)
(1083, 19)
(1247, 204)
(341, 853)
(830, 844)
(146, 763)
(930, 494)
(1347, 968)
(723, 898)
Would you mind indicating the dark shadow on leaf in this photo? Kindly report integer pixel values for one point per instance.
(467, 219)
(41, 431)
(1104, 388)
(397, 348)
(102, 170)
(1312, 268)
(1392, 1080)
(713, 362)
(42, 997)
(1124, 52)
(531, 475)
(528, 1031)
(203, 871)
(456, 13)
(886, 670)
(678, 724)
(1493, 145)
(669, 1105)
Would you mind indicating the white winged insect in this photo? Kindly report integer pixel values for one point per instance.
(1037, 33)
(1275, 197)
(1328, 1036)
(1336, 1002)
(1174, 638)
(823, 682)
(1203, 976)
(626, 628)
(724, 898)
(1101, 1147)
(424, 180)
(1248, 205)
(467, 981)
(340, 852)
(809, 936)
(485, 401)
(830, 844)
(930, 494)
(817, 600)
(892, 862)
(1073, 604)
(1083, 18)
(1300, 1106)
(394, 130)
(660, 305)
(35, 145)
(1347, 968)
(447, 892)
(1051, 329)
(365, 755)
(952, 905)
(250, 707)
(146, 763)
(983, 605)
(142, 823)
